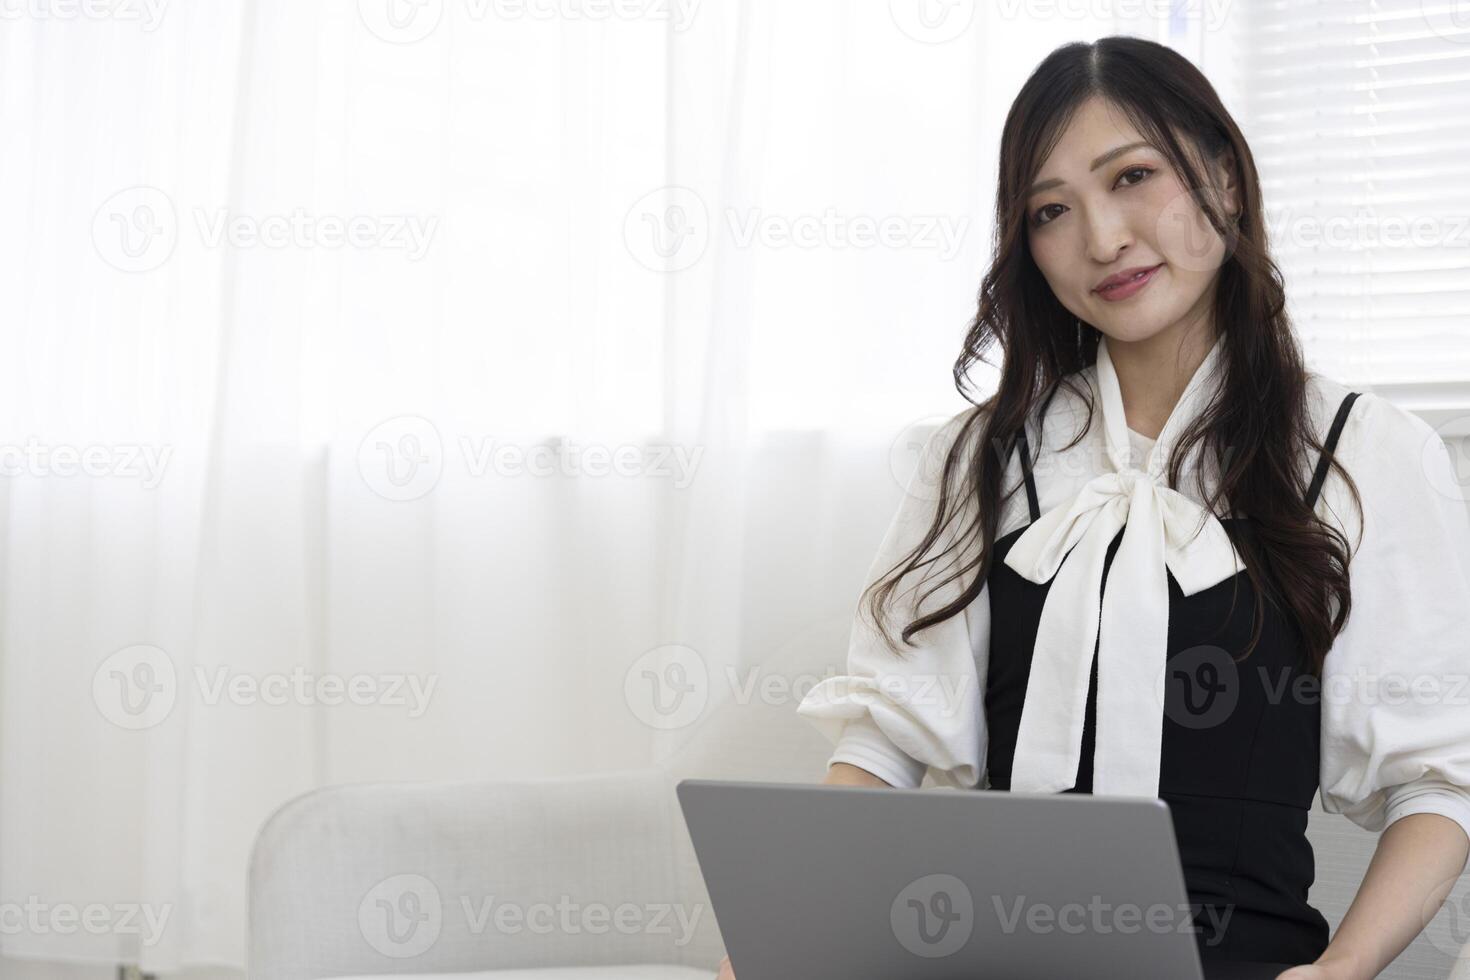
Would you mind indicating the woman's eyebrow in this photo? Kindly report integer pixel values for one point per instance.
(1042, 185)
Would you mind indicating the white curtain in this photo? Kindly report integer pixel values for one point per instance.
(297, 300)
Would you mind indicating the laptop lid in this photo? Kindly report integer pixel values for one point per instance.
(872, 883)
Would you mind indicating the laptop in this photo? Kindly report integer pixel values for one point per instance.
(869, 883)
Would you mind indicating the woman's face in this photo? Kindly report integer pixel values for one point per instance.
(1105, 202)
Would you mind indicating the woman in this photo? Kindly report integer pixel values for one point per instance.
(1097, 617)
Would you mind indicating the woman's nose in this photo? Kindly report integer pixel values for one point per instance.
(1108, 236)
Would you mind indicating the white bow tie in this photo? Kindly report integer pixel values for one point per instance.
(1162, 529)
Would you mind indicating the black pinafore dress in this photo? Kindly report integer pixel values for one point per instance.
(1239, 764)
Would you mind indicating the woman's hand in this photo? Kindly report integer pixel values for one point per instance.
(726, 973)
(1329, 970)
(843, 774)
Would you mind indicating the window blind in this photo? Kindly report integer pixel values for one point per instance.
(1358, 114)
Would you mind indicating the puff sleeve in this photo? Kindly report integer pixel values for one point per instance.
(898, 717)
(1396, 682)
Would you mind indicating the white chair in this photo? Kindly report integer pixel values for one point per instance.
(443, 878)
(319, 867)
(464, 878)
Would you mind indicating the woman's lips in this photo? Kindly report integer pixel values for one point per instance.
(1129, 288)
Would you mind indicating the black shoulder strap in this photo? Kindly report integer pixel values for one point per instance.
(1025, 450)
(1032, 500)
(1324, 460)
(1318, 478)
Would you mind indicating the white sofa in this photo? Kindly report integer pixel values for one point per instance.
(330, 867)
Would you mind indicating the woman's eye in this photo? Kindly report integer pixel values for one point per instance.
(1041, 216)
(1143, 171)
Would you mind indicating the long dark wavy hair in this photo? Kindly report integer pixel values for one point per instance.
(1257, 427)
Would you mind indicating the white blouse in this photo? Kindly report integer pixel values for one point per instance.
(1395, 688)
